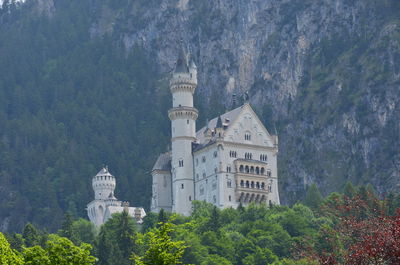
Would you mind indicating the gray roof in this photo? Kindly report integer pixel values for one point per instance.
(163, 162)
(226, 118)
(182, 63)
(104, 172)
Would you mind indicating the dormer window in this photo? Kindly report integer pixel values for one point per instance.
(181, 163)
(247, 136)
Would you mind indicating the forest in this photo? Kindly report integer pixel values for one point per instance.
(353, 227)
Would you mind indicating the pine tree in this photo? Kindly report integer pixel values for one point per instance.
(162, 217)
(313, 197)
(30, 235)
(349, 189)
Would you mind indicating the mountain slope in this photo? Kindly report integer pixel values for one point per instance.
(78, 78)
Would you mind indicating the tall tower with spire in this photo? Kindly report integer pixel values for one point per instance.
(183, 125)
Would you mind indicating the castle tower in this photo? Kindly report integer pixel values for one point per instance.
(103, 186)
(183, 125)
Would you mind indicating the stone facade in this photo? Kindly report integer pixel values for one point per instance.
(230, 161)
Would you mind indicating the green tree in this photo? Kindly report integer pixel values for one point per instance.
(62, 251)
(161, 249)
(313, 197)
(7, 255)
(349, 189)
(36, 255)
(66, 227)
(162, 217)
(31, 235)
(83, 231)
(216, 260)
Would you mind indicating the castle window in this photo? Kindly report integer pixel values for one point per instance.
(165, 181)
(197, 161)
(232, 153)
(215, 170)
(182, 186)
(268, 173)
(262, 171)
(204, 174)
(228, 168)
(201, 190)
(215, 199)
(215, 153)
(203, 159)
(247, 136)
(257, 170)
(241, 168)
(258, 185)
(247, 169)
(252, 169)
(187, 121)
(263, 158)
(247, 184)
(214, 185)
(252, 184)
(242, 183)
(269, 188)
(229, 183)
(197, 176)
(262, 185)
(230, 198)
(190, 198)
(181, 163)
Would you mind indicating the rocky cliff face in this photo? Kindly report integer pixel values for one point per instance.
(325, 72)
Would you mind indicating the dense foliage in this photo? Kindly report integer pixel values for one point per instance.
(351, 228)
(68, 105)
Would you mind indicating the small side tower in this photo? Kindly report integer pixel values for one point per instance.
(103, 186)
(183, 125)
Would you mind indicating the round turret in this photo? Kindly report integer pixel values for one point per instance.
(103, 185)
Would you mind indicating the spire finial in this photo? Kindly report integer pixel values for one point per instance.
(246, 96)
(219, 122)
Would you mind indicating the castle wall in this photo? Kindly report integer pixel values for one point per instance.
(162, 191)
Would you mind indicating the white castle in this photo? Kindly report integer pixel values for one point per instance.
(105, 204)
(230, 161)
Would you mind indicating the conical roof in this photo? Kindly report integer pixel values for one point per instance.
(182, 63)
(104, 172)
(219, 123)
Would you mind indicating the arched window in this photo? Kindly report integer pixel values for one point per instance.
(258, 185)
(242, 183)
(251, 169)
(247, 184)
(262, 171)
(190, 198)
(257, 170)
(247, 136)
(247, 169)
(269, 173)
(181, 163)
(252, 184)
(215, 154)
(241, 168)
(230, 198)
(262, 185)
